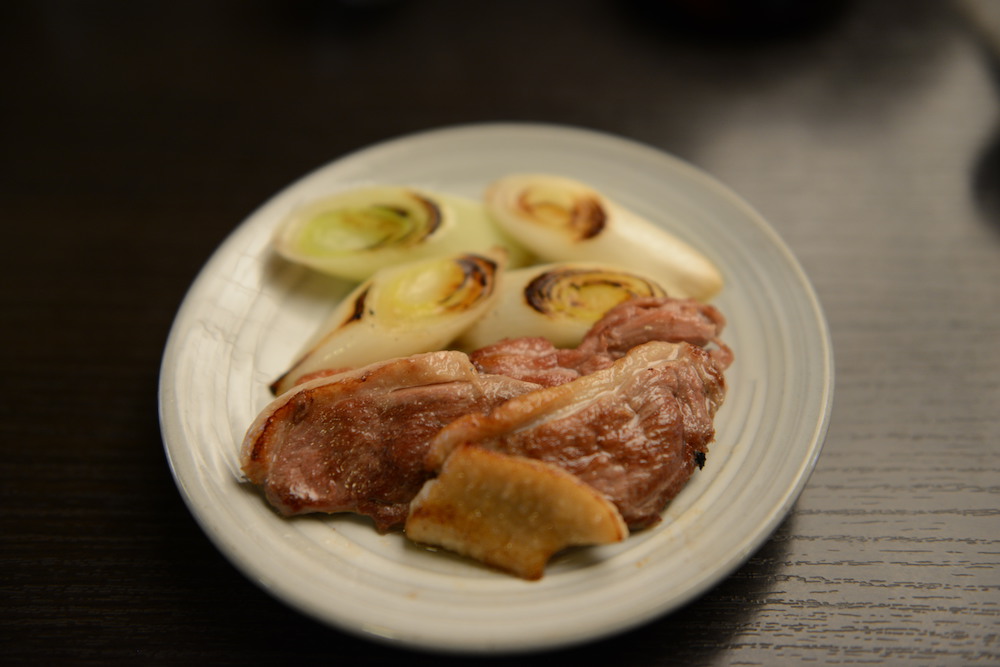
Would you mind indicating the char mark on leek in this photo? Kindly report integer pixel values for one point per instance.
(359, 308)
(401, 310)
(585, 291)
(354, 233)
(560, 219)
(558, 301)
(582, 217)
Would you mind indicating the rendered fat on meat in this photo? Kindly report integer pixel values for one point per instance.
(635, 431)
(355, 441)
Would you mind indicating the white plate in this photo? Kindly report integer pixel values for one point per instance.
(247, 314)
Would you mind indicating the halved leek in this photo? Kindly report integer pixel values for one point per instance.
(416, 307)
(560, 219)
(354, 233)
(559, 301)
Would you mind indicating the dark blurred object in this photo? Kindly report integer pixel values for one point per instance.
(342, 17)
(744, 20)
(983, 19)
(986, 182)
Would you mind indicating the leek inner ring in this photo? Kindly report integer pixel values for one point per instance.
(585, 294)
(581, 216)
(351, 229)
(437, 288)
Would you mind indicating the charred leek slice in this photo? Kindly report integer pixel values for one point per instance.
(557, 301)
(354, 233)
(416, 307)
(560, 219)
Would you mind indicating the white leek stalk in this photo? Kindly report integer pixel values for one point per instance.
(560, 219)
(560, 302)
(416, 307)
(354, 233)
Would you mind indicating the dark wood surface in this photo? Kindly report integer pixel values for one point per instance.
(137, 135)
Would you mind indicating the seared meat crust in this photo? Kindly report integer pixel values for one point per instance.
(356, 441)
(631, 418)
(635, 431)
(622, 328)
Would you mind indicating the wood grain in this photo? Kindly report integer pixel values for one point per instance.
(137, 135)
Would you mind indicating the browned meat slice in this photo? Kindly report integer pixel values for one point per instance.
(625, 326)
(635, 431)
(531, 359)
(356, 441)
(639, 321)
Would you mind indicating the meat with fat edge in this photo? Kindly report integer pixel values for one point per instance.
(635, 431)
(633, 420)
(622, 328)
(355, 442)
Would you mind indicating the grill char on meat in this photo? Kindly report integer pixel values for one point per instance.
(635, 431)
(356, 441)
(623, 327)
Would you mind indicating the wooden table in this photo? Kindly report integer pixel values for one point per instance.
(137, 135)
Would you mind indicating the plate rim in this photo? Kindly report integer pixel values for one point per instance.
(167, 407)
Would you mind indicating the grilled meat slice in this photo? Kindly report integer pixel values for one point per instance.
(355, 441)
(623, 327)
(635, 431)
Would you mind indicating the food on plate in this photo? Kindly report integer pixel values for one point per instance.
(415, 307)
(577, 398)
(355, 441)
(510, 512)
(630, 323)
(354, 233)
(559, 302)
(561, 219)
(635, 431)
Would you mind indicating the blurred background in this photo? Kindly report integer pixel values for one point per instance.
(137, 135)
(184, 116)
